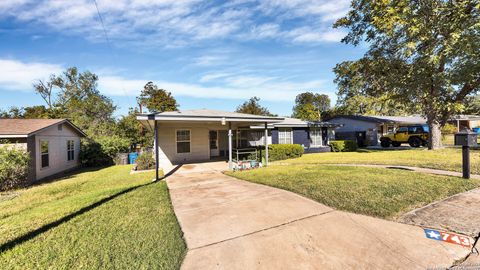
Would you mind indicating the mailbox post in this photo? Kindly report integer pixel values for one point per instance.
(466, 139)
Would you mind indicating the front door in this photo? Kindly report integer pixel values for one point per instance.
(361, 140)
(213, 138)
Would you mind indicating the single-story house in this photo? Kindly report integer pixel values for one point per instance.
(53, 144)
(465, 121)
(204, 135)
(367, 130)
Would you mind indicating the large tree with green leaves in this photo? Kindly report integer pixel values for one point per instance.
(423, 52)
(156, 99)
(129, 127)
(311, 106)
(356, 93)
(252, 106)
(75, 95)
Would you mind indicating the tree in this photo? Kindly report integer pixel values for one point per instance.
(354, 93)
(472, 105)
(157, 100)
(310, 106)
(421, 52)
(74, 95)
(252, 106)
(13, 112)
(129, 127)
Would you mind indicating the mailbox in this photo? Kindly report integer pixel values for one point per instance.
(466, 138)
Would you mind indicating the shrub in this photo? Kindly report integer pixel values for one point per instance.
(145, 161)
(343, 146)
(103, 151)
(449, 129)
(281, 151)
(13, 167)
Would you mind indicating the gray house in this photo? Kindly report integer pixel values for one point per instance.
(367, 130)
(53, 144)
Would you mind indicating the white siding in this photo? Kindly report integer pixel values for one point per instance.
(57, 143)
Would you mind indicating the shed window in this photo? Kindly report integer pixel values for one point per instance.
(285, 136)
(183, 141)
(44, 153)
(70, 150)
(316, 136)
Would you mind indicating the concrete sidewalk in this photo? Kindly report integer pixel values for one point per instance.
(233, 224)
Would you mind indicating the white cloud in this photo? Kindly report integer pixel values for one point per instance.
(17, 75)
(172, 23)
(235, 87)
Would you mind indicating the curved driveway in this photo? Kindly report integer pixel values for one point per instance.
(234, 224)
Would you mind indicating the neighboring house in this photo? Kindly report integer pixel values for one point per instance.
(367, 130)
(53, 144)
(203, 135)
(465, 121)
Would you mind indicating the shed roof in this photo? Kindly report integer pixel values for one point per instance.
(208, 115)
(27, 127)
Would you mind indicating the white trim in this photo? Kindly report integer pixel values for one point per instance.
(41, 154)
(189, 141)
(13, 136)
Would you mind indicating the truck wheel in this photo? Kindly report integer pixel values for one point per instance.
(415, 142)
(385, 143)
(396, 144)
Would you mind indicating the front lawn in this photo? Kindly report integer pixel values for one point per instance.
(101, 219)
(385, 193)
(443, 159)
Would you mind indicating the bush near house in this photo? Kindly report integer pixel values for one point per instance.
(145, 161)
(281, 151)
(13, 167)
(343, 146)
(103, 150)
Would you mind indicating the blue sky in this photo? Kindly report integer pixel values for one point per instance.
(209, 54)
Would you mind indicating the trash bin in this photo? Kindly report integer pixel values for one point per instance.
(122, 159)
(132, 157)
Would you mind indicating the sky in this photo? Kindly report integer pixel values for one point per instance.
(208, 54)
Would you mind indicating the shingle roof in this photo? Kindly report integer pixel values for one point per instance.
(207, 114)
(26, 127)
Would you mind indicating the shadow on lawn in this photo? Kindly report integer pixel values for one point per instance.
(32, 234)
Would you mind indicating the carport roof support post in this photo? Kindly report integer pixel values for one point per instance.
(156, 149)
(230, 135)
(266, 144)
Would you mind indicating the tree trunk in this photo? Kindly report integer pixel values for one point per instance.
(435, 138)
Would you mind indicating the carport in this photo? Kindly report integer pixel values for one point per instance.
(196, 135)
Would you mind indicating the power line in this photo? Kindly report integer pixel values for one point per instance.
(103, 25)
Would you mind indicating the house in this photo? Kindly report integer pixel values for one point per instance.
(367, 130)
(204, 135)
(465, 121)
(53, 144)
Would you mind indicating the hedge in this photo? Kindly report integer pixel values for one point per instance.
(282, 151)
(343, 146)
(13, 167)
(145, 161)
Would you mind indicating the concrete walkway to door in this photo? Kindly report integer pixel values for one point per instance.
(234, 224)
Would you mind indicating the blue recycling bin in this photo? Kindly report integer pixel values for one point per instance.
(132, 157)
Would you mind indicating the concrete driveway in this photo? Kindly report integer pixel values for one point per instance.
(234, 224)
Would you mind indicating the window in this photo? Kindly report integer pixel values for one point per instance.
(285, 136)
(70, 150)
(60, 127)
(44, 153)
(402, 129)
(316, 136)
(183, 141)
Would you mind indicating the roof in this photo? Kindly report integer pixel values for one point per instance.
(26, 127)
(382, 119)
(295, 122)
(208, 115)
(465, 117)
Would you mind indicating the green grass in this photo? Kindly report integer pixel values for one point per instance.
(443, 159)
(385, 193)
(135, 230)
